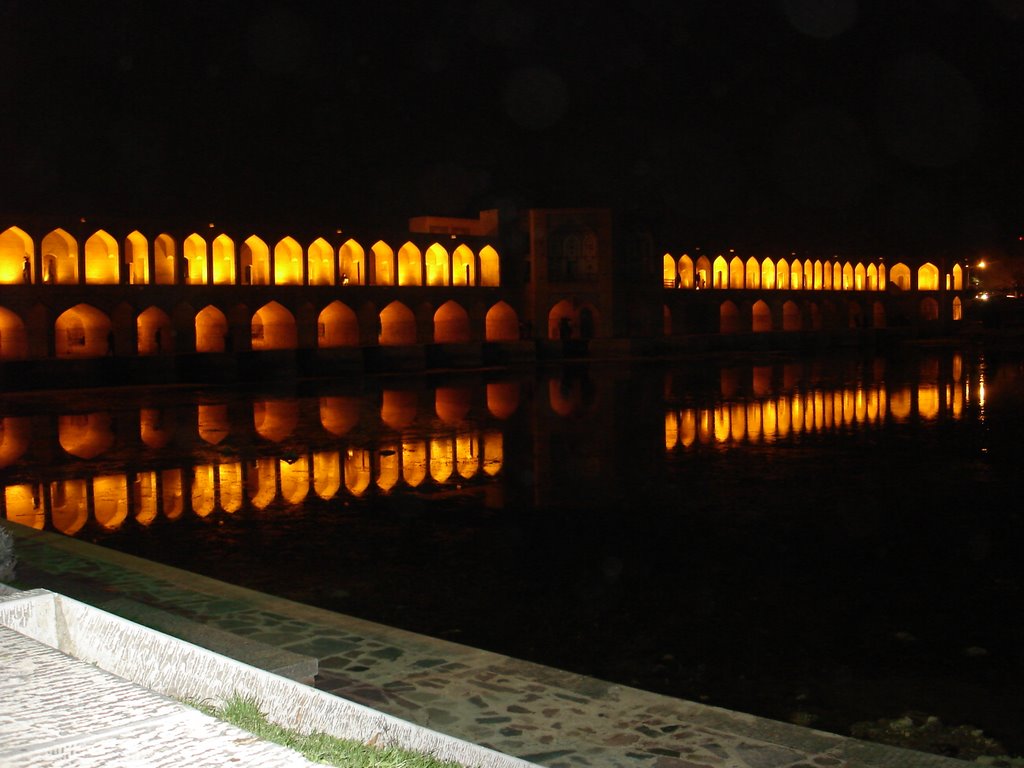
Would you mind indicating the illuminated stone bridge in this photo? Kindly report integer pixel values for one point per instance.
(437, 295)
(726, 293)
(88, 294)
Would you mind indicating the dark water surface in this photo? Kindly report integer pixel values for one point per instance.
(822, 541)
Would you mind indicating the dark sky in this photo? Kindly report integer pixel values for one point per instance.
(815, 124)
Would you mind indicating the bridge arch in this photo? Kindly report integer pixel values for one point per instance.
(669, 275)
(60, 258)
(211, 330)
(223, 261)
(729, 318)
(254, 259)
(288, 262)
(383, 264)
(501, 323)
(13, 341)
(154, 332)
(753, 277)
(760, 317)
(15, 246)
(451, 324)
(397, 325)
(928, 277)
(352, 263)
(320, 263)
(929, 309)
(792, 319)
(82, 331)
(337, 326)
(899, 276)
(136, 258)
(490, 267)
(703, 273)
(273, 327)
(436, 259)
(165, 268)
(102, 265)
(194, 260)
(410, 271)
(768, 275)
(782, 275)
(463, 266)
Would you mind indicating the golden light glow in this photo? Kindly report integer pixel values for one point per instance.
(85, 435)
(414, 462)
(204, 495)
(24, 505)
(326, 474)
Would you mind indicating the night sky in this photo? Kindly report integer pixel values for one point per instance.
(814, 124)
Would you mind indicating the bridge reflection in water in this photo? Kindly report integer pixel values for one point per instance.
(823, 536)
(226, 455)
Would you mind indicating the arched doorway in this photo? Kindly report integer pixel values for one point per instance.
(501, 323)
(397, 325)
(337, 326)
(211, 330)
(273, 327)
(83, 331)
(154, 331)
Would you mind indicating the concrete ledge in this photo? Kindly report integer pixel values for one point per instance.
(184, 671)
(295, 666)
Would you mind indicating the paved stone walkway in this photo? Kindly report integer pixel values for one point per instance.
(536, 713)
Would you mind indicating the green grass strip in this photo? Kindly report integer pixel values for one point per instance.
(246, 714)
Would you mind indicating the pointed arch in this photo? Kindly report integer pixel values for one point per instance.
(736, 272)
(847, 276)
(352, 263)
(223, 260)
(752, 279)
(928, 278)
(15, 247)
(859, 277)
(273, 327)
(165, 267)
(957, 278)
(337, 326)
(397, 325)
(669, 275)
(728, 318)
(288, 262)
(685, 271)
(82, 331)
(136, 258)
(383, 264)
(451, 324)
(211, 330)
(899, 276)
(871, 277)
(791, 318)
(796, 275)
(782, 275)
(409, 261)
(194, 262)
(463, 266)
(490, 267)
(760, 317)
(320, 262)
(501, 323)
(13, 341)
(562, 320)
(768, 274)
(703, 276)
(60, 258)
(154, 332)
(957, 309)
(436, 260)
(254, 260)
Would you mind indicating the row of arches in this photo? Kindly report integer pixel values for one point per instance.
(194, 261)
(84, 330)
(785, 274)
(760, 316)
(260, 483)
(810, 412)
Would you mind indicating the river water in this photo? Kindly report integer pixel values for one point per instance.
(820, 540)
